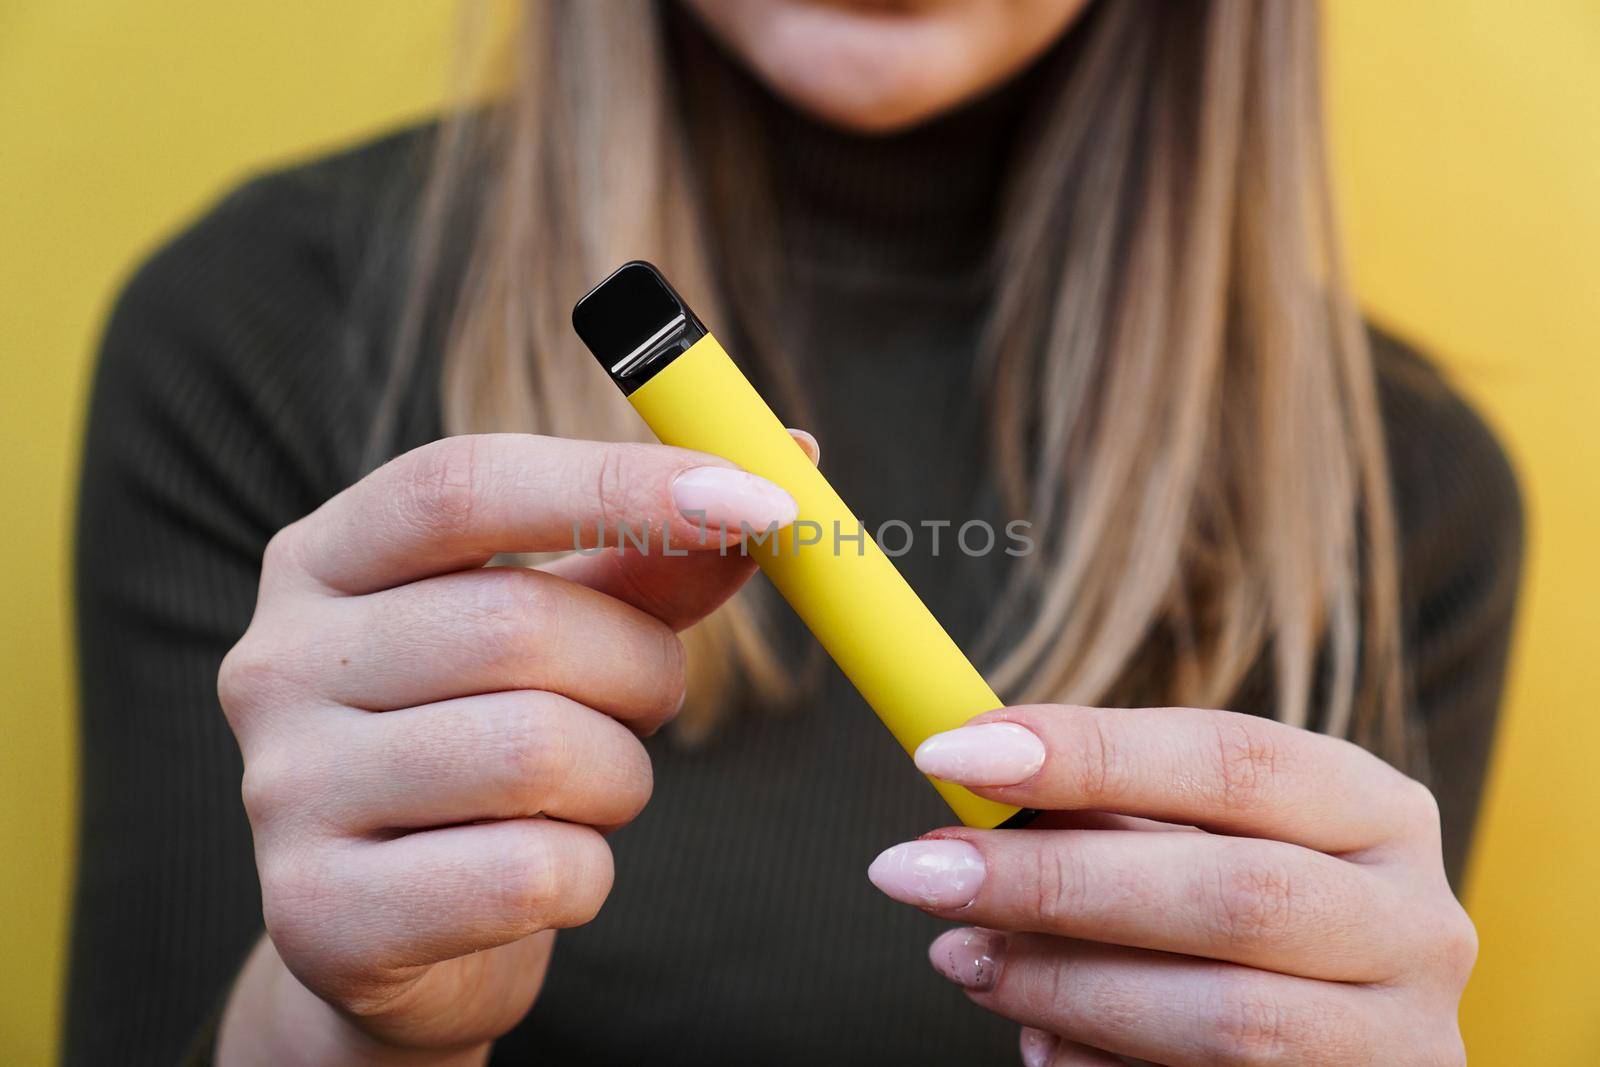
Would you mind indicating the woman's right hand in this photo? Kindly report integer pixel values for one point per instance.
(433, 748)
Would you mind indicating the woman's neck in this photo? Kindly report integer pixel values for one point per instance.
(921, 204)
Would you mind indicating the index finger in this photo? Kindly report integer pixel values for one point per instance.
(457, 502)
(1220, 770)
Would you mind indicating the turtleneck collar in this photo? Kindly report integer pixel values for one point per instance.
(918, 205)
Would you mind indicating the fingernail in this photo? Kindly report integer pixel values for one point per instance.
(991, 753)
(969, 957)
(731, 499)
(1037, 1047)
(808, 444)
(929, 874)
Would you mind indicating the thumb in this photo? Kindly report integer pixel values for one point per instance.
(680, 590)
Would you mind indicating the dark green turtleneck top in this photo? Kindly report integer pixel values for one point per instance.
(235, 392)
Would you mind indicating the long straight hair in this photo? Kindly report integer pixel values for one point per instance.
(1183, 401)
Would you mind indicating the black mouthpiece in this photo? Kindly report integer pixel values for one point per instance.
(635, 324)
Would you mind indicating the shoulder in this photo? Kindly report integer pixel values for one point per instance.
(297, 238)
(264, 317)
(318, 216)
(1457, 500)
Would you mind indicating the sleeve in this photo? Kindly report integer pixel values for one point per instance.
(215, 419)
(1461, 520)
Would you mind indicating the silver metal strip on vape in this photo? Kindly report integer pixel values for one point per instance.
(627, 362)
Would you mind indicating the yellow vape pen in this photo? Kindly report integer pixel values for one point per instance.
(841, 585)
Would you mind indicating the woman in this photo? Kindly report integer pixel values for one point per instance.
(1060, 262)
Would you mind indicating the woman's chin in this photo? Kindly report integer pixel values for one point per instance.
(875, 67)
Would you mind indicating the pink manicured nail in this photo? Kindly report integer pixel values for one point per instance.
(969, 957)
(731, 499)
(929, 874)
(991, 753)
(1037, 1047)
(808, 444)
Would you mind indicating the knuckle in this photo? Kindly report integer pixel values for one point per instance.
(1419, 809)
(283, 550)
(1464, 946)
(628, 483)
(1252, 1025)
(286, 886)
(265, 788)
(1036, 990)
(249, 672)
(1057, 884)
(538, 752)
(1101, 770)
(439, 490)
(557, 881)
(295, 900)
(512, 613)
(531, 884)
(1247, 761)
(618, 796)
(1251, 902)
(1458, 946)
(1249, 1025)
(611, 489)
(1328, 1030)
(306, 917)
(595, 886)
(674, 670)
(642, 782)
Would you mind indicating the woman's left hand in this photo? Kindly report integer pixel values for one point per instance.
(1205, 888)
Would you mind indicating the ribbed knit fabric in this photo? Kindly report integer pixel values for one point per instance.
(239, 376)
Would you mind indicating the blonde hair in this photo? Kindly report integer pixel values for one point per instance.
(1190, 364)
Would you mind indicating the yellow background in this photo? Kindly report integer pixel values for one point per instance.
(1467, 135)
